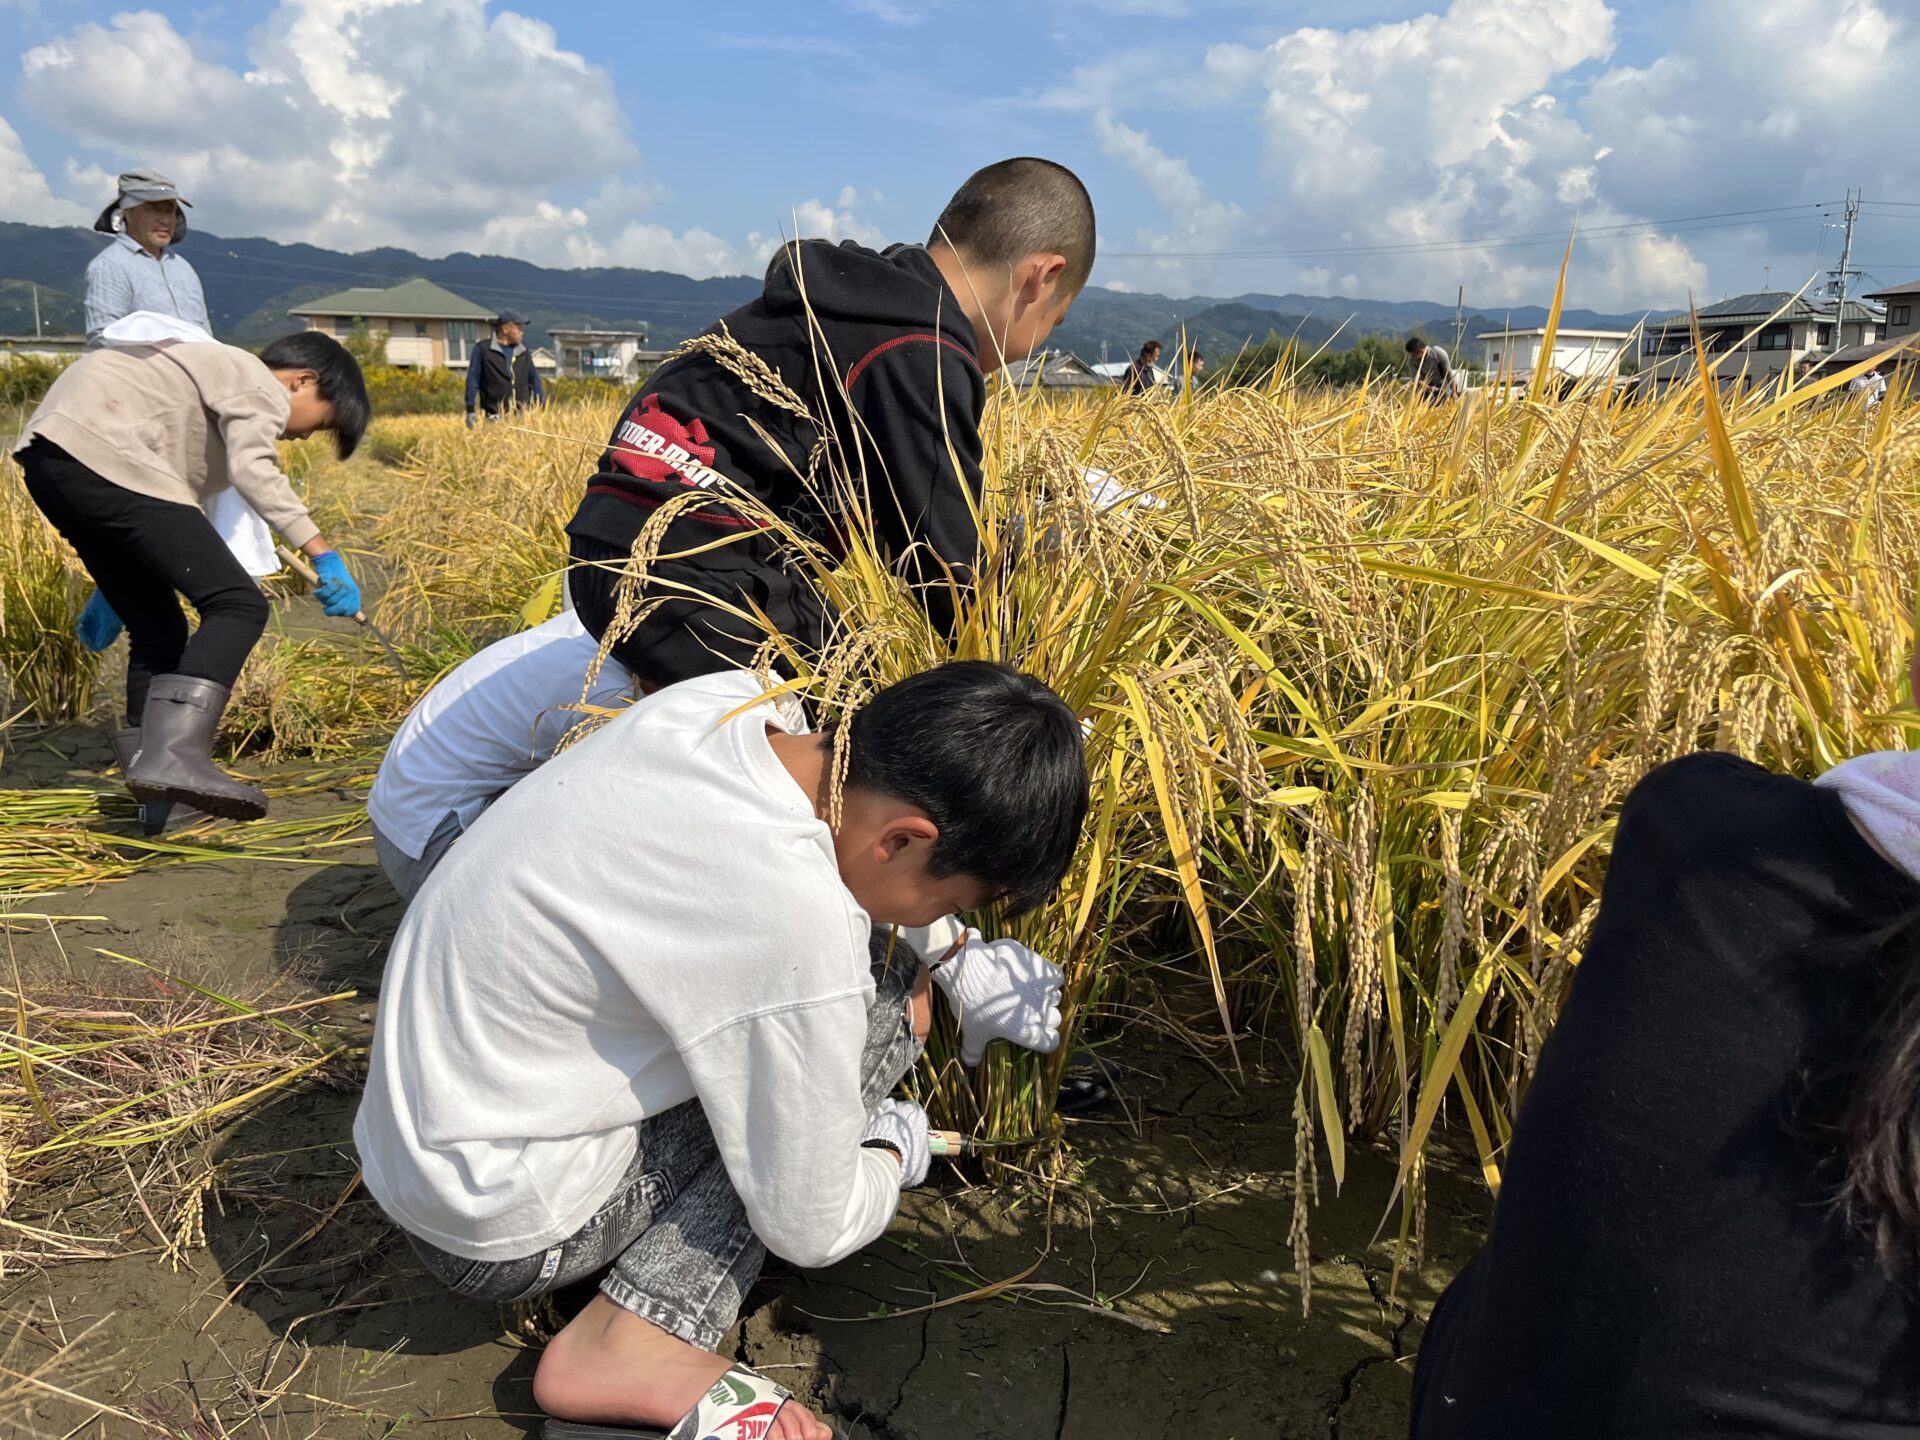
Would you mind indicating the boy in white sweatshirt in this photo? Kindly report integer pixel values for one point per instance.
(641, 1017)
(478, 732)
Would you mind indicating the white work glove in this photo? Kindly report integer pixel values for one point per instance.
(901, 1126)
(1001, 990)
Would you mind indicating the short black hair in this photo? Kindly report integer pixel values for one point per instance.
(1415, 345)
(341, 383)
(994, 758)
(1018, 208)
(1149, 345)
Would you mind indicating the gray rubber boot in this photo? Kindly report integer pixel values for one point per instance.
(175, 758)
(163, 815)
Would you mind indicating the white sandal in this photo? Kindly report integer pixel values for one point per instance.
(740, 1406)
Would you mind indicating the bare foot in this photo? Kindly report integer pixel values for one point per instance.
(610, 1367)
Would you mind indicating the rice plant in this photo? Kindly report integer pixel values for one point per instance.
(44, 669)
(1366, 682)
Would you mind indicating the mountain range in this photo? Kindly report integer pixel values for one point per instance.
(250, 283)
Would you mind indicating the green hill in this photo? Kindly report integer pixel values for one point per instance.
(251, 282)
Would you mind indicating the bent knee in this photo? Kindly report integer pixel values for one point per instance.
(241, 604)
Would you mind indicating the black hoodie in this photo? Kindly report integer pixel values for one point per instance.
(885, 357)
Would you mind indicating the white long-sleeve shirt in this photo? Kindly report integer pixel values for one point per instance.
(488, 725)
(654, 916)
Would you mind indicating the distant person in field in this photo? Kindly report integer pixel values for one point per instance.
(1143, 375)
(478, 731)
(123, 455)
(139, 269)
(1870, 387)
(638, 1028)
(1432, 370)
(1188, 367)
(886, 353)
(1709, 1221)
(501, 375)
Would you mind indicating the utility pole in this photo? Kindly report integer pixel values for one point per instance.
(1837, 279)
(36, 312)
(1459, 322)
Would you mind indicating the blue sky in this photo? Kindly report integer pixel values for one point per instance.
(1366, 148)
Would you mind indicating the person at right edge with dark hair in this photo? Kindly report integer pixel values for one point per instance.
(1709, 1221)
(888, 351)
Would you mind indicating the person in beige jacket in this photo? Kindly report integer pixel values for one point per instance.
(122, 456)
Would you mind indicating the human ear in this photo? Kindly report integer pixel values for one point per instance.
(900, 836)
(1041, 278)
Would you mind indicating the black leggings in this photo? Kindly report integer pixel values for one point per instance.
(140, 551)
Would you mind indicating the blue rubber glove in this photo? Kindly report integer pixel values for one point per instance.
(98, 626)
(336, 592)
(469, 419)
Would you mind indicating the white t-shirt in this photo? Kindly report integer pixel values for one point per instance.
(490, 723)
(654, 916)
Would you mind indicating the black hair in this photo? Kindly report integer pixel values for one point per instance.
(1879, 1126)
(1148, 345)
(1018, 208)
(1415, 345)
(341, 383)
(997, 762)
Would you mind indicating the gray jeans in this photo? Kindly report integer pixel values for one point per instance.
(405, 873)
(674, 1233)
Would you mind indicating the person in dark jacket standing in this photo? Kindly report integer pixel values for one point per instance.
(882, 356)
(501, 374)
(1143, 375)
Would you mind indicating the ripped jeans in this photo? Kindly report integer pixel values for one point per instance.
(674, 1233)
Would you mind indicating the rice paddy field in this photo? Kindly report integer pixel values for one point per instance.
(1366, 681)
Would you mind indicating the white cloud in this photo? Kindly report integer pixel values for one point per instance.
(27, 197)
(1501, 118)
(1430, 131)
(892, 12)
(430, 124)
(1198, 223)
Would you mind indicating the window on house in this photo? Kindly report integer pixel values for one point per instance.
(1900, 315)
(1823, 334)
(461, 336)
(1774, 337)
(419, 329)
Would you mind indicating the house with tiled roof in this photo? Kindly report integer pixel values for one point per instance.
(1760, 336)
(427, 326)
(1903, 306)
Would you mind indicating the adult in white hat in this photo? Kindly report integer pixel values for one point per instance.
(140, 270)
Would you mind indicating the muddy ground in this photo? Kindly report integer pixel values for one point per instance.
(1159, 1293)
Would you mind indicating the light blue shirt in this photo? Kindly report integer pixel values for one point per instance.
(124, 278)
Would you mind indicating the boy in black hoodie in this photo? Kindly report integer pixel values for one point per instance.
(886, 354)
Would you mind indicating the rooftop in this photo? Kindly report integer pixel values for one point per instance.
(1053, 370)
(409, 300)
(1539, 331)
(1912, 287)
(583, 333)
(1763, 305)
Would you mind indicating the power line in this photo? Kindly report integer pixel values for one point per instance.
(1722, 220)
